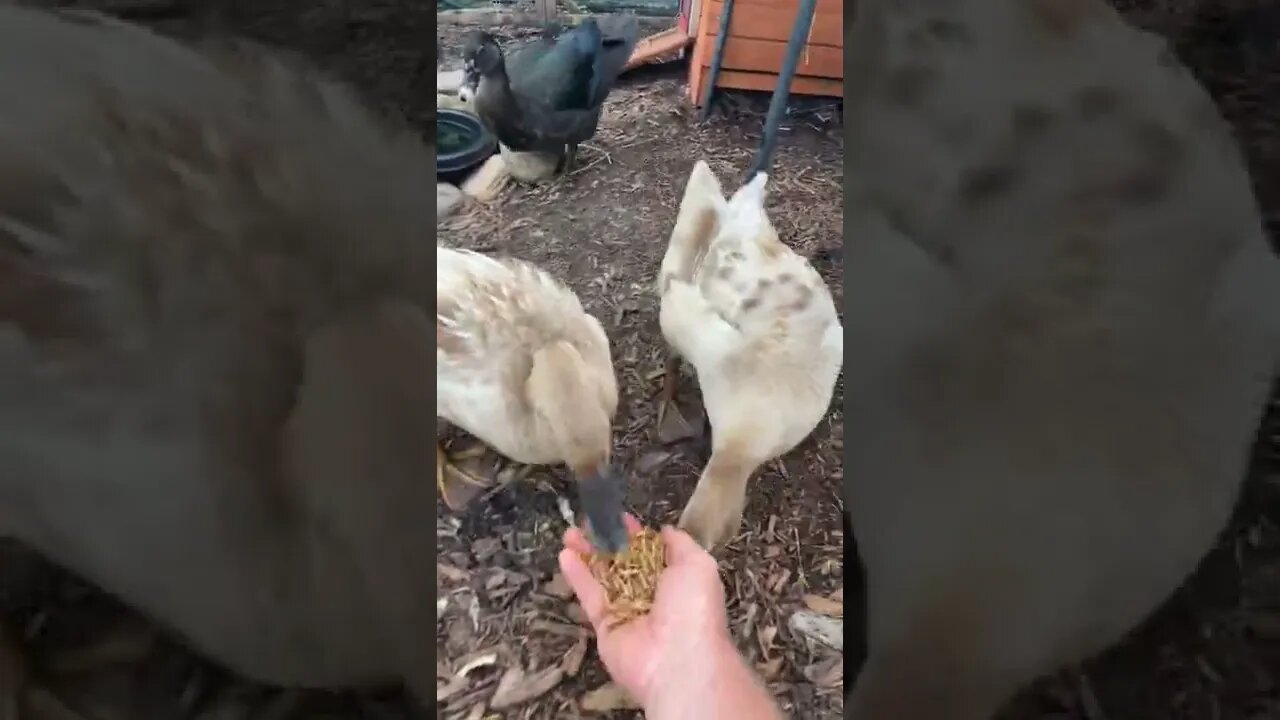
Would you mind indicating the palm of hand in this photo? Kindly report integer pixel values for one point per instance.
(686, 622)
(675, 632)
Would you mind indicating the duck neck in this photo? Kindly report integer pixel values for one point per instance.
(497, 82)
(570, 416)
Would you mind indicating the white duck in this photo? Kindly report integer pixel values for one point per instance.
(759, 326)
(521, 366)
(213, 349)
(1067, 318)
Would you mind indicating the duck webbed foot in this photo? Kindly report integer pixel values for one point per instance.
(674, 424)
(458, 478)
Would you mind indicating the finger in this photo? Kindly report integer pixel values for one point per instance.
(681, 547)
(633, 525)
(575, 539)
(590, 595)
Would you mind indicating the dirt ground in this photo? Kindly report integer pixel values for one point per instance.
(1212, 653)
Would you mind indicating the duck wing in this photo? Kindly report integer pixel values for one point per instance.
(602, 48)
(560, 85)
(619, 35)
(559, 77)
(527, 57)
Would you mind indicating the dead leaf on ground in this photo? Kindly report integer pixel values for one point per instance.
(557, 628)
(821, 628)
(770, 668)
(577, 614)
(485, 548)
(682, 424)
(573, 659)
(827, 673)
(749, 622)
(495, 580)
(478, 660)
(517, 687)
(451, 573)
(608, 698)
(451, 688)
(653, 460)
(765, 638)
(819, 604)
(558, 587)
(776, 586)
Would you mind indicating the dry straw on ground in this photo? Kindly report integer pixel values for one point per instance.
(630, 578)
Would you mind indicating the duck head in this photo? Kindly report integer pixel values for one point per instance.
(574, 402)
(481, 57)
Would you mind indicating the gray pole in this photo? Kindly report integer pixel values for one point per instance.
(782, 91)
(717, 57)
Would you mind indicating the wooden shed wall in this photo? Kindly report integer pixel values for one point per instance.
(758, 34)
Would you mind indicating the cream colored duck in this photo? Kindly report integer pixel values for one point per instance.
(521, 366)
(214, 349)
(1068, 320)
(758, 325)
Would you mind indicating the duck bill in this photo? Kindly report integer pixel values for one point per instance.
(601, 494)
(470, 82)
(466, 93)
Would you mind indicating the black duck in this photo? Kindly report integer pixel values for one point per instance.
(547, 96)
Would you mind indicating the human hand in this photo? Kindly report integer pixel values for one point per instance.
(686, 626)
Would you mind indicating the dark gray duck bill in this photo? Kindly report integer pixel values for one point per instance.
(601, 496)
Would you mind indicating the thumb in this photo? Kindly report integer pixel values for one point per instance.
(590, 595)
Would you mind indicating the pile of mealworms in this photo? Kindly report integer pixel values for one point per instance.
(630, 578)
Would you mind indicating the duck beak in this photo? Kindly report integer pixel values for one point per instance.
(601, 495)
(470, 82)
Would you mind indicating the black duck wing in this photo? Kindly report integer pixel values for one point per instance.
(526, 58)
(604, 45)
(561, 78)
(619, 33)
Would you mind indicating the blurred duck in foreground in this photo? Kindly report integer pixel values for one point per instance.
(521, 366)
(547, 95)
(213, 349)
(758, 324)
(1067, 318)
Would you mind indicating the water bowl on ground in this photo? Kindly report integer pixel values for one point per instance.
(462, 143)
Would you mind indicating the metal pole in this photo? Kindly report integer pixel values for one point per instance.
(782, 91)
(716, 58)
